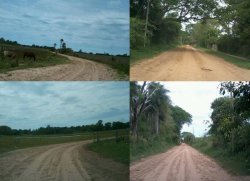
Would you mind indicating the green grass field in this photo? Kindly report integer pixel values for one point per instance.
(9, 143)
(119, 63)
(44, 58)
(235, 164)
(110, 149)
(234, 60)
(138, 55)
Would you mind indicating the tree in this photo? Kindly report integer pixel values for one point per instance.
(139, 103)
(205, 33)
(5, 130)
(187, 137)
(158, 105)
(61, 43)
(240, 91)
(180, 117)
(99, 125)
(108, 126)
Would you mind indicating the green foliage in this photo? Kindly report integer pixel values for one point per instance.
(205, 33)
(5, 130)
(149, 146)
(118, 151)
(188, 137)
(236, 163)
(180, 117)
(159, 124)
(167, 31)
(230, 125)
(137, 28)
(237, 39)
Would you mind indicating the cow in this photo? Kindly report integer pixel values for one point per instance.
(30, 55)
(9, 54)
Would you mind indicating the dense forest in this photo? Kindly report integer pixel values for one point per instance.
(155, 122)
(99, 126)
(217, 24)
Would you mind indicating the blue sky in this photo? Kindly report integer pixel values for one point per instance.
(26, 105)
(91, 25)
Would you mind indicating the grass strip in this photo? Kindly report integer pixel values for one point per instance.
(117, 151)
(140, 54)
(240, 62)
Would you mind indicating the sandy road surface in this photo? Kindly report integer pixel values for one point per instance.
(57, 162)
(187, 63)
(60, 162)
(77, 69)
(181, 163)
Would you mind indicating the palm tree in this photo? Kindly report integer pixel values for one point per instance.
(61, 43)
(159, 104)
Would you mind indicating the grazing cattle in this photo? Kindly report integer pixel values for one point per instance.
(30, 55)
(9, 54)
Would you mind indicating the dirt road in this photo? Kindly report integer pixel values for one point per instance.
(181, 163)
(77, 69)
(187, 63)
(60, 162)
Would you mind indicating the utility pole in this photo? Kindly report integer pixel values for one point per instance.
(146, 24)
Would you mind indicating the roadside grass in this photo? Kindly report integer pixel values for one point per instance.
(243, 63)
(140, 54)
(117, 151)
(146, 148)
(9, 143)
(44, 58)
(233, 163)
(119, 63)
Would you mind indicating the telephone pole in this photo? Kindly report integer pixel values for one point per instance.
(146, 24)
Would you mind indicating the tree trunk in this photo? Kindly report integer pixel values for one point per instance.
(156, 123)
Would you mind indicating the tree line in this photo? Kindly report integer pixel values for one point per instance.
(230, 117)
(153, 116)
(49, 130)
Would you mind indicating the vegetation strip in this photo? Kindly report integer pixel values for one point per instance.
(243, 63)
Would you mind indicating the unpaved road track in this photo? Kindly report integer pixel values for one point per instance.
(187, 63)
(181, 163)
(60, 162)
(77, 69)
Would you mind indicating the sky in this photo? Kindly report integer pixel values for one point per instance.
(91, 25)
(30, 105)
(195, 98)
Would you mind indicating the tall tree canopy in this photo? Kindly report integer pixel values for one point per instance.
(152, 113)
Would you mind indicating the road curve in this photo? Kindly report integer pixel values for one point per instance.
(181, 163)
(187, 64)
(78, 69)
(56, 162)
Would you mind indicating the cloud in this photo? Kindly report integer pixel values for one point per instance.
(35, 104)
(87, 25)
(195, 98)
